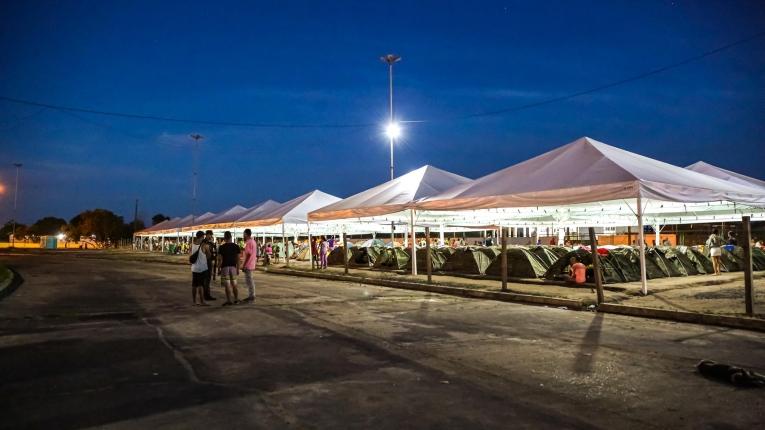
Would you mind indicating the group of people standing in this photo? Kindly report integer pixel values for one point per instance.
(226, 259)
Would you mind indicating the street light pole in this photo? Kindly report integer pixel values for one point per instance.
(197, 137)
(15, 199)
(390, 59)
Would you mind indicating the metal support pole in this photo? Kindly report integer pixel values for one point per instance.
(284, 246)
(15, 200)
(503, 261)
(441, 241)
(641, 244)
(428, 262)
(748, 277)
(414, 242)
(657, 232)
(596, 265)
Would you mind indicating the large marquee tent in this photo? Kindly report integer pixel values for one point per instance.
(585, 183)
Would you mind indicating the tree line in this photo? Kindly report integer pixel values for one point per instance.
(101, 224)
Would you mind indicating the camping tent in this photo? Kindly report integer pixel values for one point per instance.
(471, 261)
(391, 258)
(521, 263)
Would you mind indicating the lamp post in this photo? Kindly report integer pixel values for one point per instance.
(197, 137)
(392, 130)
(15, 199)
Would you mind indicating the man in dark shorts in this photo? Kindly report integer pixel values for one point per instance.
(228, 268)
(212, 254)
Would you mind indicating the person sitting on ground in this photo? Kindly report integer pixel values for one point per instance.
(577, 273)
(228, 268)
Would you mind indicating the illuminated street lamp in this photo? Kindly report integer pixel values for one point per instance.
(15, 199)
(392, 130)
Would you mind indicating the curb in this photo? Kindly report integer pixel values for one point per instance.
(7, 288)
(441, 289)
(754, 324)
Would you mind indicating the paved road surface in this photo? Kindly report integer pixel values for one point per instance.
(92, 342)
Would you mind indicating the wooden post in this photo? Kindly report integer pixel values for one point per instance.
(310, 246)
(345, 252)
(428, 262)
(748, 279)
(503, 260)
(596, 265)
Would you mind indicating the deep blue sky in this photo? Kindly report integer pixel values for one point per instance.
(317, 62)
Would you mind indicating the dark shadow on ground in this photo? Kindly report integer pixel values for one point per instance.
(589, 346)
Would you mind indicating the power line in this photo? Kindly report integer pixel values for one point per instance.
(364, 125)
(180, 120)
(600, 87)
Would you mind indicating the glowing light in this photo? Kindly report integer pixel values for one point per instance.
(60, 236)
(393, 130)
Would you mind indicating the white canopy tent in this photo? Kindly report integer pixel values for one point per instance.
(383, 206)
(727, 175)
(222, 219)
(590, 183)
(256, 211)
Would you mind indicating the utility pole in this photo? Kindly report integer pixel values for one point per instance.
(392, 130)
(15, 200)
(135, 217)
(197, 137)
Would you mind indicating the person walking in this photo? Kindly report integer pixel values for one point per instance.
(199, 268)
(228, 267)
(248, 265)
(323, 247)
(212, 260)
(715, 243)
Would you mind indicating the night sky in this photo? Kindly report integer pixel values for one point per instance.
(293, 62)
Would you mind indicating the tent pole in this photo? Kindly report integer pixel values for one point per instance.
(441, 241)
(641, 244)
(414, 242)
(657, 231)
(285, 247)
(748, 278)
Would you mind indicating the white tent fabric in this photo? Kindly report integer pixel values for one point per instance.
(589, 171)
(256, 211)
(197, 220)
(294, 211)
(392, 196)
(226, 217)
(727, 175)
(168, 223)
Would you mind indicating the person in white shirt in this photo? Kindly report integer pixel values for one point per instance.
(199, 268)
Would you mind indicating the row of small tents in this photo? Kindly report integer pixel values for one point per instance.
(618, 264)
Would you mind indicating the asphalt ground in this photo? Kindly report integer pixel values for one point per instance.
(88, 342)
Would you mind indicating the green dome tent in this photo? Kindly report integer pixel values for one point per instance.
(469, 261)
(521, 263)
(391, 258)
